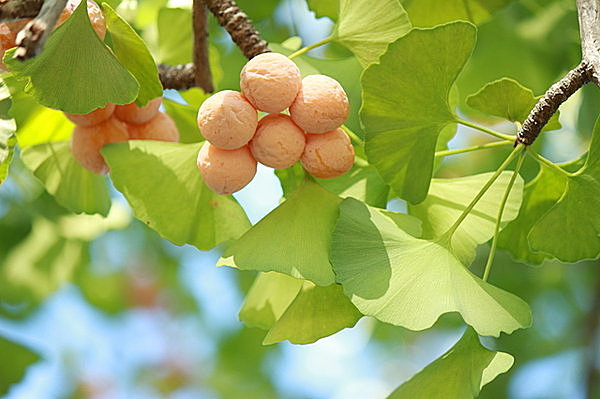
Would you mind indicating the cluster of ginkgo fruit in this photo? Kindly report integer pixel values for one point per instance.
(311, 133)
(111, 124)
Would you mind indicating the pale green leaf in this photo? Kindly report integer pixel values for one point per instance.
(410, 282)
(448, 198)
(508, 99)
(7, 130)
(427, 13)
(131, 51)
(46, 125)
(405, 104)
(17, 359)
(325, 8)
(164, 188)
(185, 115)
(76, 72)
(73, 186)
(174, 45)
(366, 27)
(293, 239)
(460, 373)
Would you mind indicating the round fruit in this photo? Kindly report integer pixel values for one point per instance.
(88, 140)
(131, 113)
(227, 120)
(328, 155)
(321, 104)
(94, 12)
(278, 142)
(226, 171)
(270, 81)
(160, 128)
(92, 118)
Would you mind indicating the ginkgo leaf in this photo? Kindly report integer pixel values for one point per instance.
(325, 8)
(19, 358)
(161, 183)
(186, 115)
(411, 282)
(366, 27)
(46, 125)
(448, 198)
(404, 115)
(7, 130)
(427, 13)
(293, 239)
(131, 51)
(508, 99)
(76, 72)
(73, 186)
(460, 373)
(296, 310)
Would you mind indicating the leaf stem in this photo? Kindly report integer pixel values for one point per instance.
(481, 192)
(543, 161)
(490, 260)
(353, 136)
(485, 130)
(312, 46)
(474, 148)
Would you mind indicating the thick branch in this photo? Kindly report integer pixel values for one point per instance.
(589, 30)
(18, 9)
(31, 40)
(202, 76)
(239, 26)
(178, 77)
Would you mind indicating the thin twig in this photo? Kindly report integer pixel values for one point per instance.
(19, 9)
(31, 40)
(202, 75)
(239, 27)
(589, 31)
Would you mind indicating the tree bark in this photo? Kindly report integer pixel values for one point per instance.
(31, 40)
(202, 74)
(19, 9)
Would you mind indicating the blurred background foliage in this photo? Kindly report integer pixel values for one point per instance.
(105, 308)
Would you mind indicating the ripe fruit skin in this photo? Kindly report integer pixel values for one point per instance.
(227, 120)
(94, 12)
(278, 142)
(226, 171)
(92, 118)
(131, 113)
(321, 105)
(88, 140)
(328, 155)
(270, 81)
(160, 128)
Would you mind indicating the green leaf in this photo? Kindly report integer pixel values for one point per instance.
(448, 198)
(293, 239)
(18, 358)
(132, 52)
(403, 115)
(427, 13)
(164, 188)
(460, 373)
(7, 130)
(76, 72)
(325, 8)
(296, 310)
(186, 115)
(508, 99)
(410, 282)
(270, 295)
(73, 186)
(539, 196)
(174, 45)
(46, 125)
(367, 27)
(316, 312)
(360, 182)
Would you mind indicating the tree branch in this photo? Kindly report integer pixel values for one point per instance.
(239, 26)
(31, 40)
(19, 9)
(202, 75)
(587, 71)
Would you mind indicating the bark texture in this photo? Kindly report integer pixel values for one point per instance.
(19, 9)
(202, 74)
(31, 40)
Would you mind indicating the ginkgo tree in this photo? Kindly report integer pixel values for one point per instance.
(333, 251)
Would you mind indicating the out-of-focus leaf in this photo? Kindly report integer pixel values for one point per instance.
(46, 125)
(174, 45)
(325, 8)
(76, 72)
(186, 115)
(427, 13)
(17, 359)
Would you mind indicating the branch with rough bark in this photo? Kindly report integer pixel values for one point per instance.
(587, 71)
(31, 40)
(19, 9)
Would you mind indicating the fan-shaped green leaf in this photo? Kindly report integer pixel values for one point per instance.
(18, 359)
(76, 72)
(46, 125)
(460, 373)
(162, 184)
(293, 239)
(410, 282)
(448, 198)
(405, 103)
(426, 13)
(73, 186)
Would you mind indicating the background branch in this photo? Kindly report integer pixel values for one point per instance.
(19, 9)
(31, 40)
(589, 31)
(203, 77)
